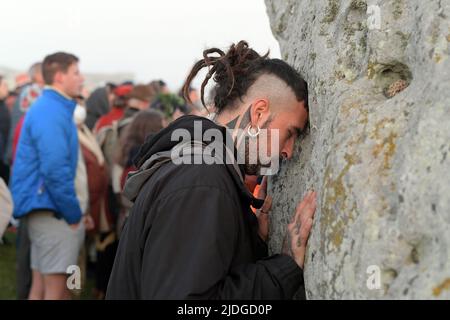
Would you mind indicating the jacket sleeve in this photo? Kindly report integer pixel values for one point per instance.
(51, 136)
(188, 252)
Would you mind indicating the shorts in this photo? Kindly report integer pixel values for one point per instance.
(54, 244)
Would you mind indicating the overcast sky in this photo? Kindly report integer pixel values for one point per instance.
(149, 38)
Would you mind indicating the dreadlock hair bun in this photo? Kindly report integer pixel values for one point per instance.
(236, 70)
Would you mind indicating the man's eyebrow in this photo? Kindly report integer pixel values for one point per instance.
(299, 131)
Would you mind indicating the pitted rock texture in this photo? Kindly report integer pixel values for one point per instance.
(378, 150)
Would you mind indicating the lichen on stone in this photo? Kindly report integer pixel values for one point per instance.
(331, 11)
(358, 5)
(335, 197)
(387, 146)
(398, 9)
(445, 285)
(404, 38)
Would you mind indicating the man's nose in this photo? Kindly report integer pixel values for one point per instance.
(288, 149)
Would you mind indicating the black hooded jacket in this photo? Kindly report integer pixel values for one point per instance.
(97, 105)
(5, 126)
(191, 233)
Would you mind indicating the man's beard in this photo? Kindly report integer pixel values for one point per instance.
(253, 167)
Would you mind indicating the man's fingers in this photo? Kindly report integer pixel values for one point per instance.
(301, 206)
(267, 205)
(306, 200)
(291, 227)
(264, 184)
(305, 230)
(305, 210)
(300, 227)
(308, 211)
(263, 188)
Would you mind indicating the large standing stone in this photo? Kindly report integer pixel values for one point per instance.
(378, 152)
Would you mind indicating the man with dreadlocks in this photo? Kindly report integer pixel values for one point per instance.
(191, 233)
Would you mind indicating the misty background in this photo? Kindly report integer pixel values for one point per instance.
(137, 39)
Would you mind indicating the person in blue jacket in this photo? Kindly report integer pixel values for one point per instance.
(43, 178)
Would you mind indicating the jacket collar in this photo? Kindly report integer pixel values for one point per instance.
(162, 142)
(59, 91)
(53, 93)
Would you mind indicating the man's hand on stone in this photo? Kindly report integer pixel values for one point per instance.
(299, 229)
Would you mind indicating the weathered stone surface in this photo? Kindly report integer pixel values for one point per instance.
(378, 152)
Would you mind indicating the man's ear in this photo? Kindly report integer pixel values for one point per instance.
(259, 112)
(58, 77)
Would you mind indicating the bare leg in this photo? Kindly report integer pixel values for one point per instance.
(37, 286)
(56, 287)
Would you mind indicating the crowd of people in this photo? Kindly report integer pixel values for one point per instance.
(111, 123)
(91, 182)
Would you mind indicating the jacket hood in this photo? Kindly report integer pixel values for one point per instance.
(98, 100)
(157, 150)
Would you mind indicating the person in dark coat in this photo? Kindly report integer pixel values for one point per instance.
(98, 104)
(191, 233)
(5, 125)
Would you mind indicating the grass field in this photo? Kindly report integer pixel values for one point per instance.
(7, 267)
(8, 272)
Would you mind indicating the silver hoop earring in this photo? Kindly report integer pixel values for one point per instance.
(253, 135)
